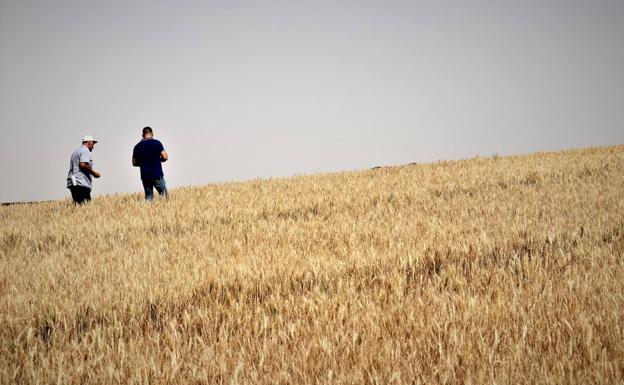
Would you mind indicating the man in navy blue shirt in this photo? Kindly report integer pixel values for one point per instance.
(148, 154)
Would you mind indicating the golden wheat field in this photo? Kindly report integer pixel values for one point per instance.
(502, 270)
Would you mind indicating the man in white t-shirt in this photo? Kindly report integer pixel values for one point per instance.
(81, 170)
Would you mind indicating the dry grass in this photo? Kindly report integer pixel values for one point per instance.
(490, 270)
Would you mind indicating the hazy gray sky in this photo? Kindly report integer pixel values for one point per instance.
(245, 89)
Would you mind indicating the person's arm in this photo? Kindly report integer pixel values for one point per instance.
(164, 156)
(135, 161)
(84, 166)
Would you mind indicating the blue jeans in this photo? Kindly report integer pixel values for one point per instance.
(150, 184)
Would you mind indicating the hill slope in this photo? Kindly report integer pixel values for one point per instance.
(501, 270)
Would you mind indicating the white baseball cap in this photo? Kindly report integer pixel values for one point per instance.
(88, 138)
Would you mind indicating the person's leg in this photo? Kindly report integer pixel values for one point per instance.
(75, 194)
(86, 193)
(80, 194)
(161, 187)
(148, 186)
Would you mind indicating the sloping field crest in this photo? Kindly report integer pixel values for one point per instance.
(503, 270)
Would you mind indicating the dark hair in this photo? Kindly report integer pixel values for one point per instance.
(147, 130)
